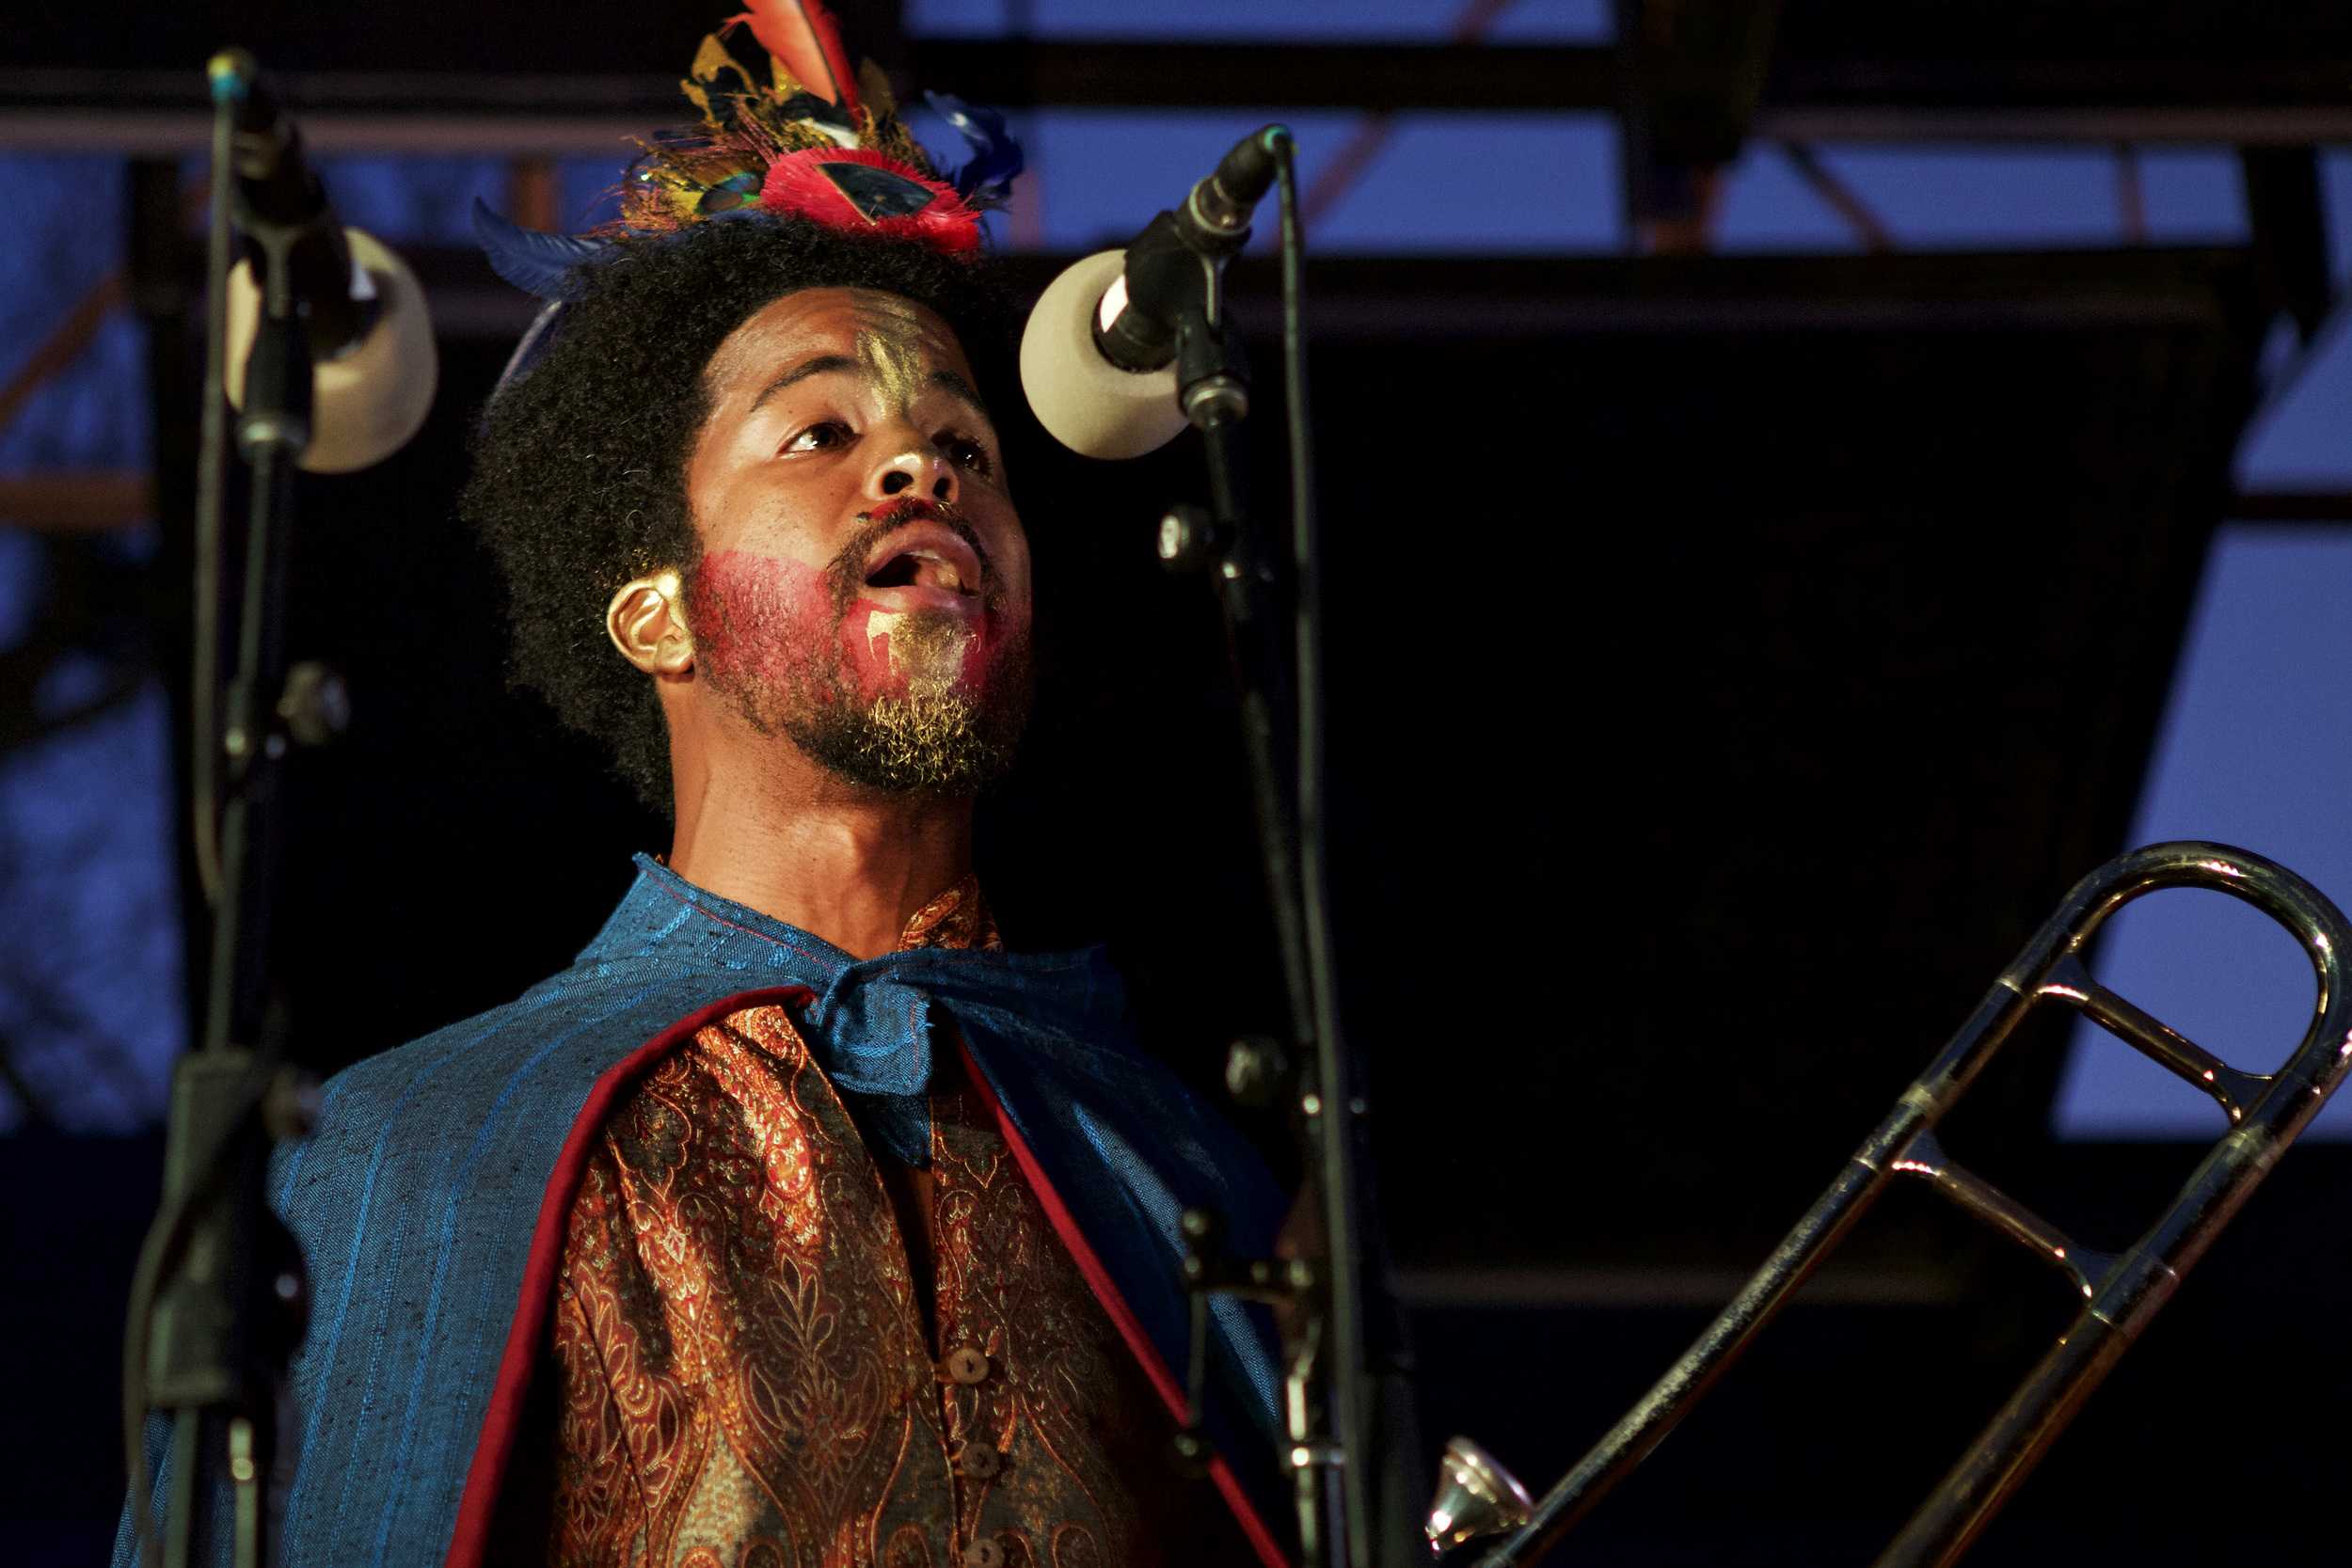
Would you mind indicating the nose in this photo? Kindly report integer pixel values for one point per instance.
(915, 467)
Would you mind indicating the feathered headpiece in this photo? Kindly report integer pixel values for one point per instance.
(813, 142)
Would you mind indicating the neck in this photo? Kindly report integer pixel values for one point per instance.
(792, 841)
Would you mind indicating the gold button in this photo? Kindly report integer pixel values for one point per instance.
(979, 1461)
(967, 1366)
(983, 1554)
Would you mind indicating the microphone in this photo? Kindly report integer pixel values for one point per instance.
(279, 196)
(1098, 356)
(374, 365)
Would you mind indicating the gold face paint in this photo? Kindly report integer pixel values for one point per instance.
(928, 649)
(890, 345)
(909, 735)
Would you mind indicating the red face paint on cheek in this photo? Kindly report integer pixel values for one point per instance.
(999, 628)
(759, 619)
(765, 622)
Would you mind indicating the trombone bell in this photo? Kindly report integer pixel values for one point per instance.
(1476, 1496)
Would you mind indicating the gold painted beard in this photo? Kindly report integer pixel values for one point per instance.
(935, 737)
(893, 712)
(928, 735)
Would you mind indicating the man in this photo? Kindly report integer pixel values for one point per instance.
(798, 1222)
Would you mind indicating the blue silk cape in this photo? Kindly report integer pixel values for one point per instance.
(430, 1201)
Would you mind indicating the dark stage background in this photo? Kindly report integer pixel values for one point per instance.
(1733, 660)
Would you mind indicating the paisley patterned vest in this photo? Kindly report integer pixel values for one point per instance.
(744, 1370)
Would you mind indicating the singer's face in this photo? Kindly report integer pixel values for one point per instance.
(865, 580)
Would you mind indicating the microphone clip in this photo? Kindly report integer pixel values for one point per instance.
(1165, 282)
(1174, 270)
(1168, 306)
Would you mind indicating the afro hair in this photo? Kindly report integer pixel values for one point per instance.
(579, 481)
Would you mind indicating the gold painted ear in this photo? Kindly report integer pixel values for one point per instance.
(646, 621)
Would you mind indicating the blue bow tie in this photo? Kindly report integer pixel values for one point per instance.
(875, 1027)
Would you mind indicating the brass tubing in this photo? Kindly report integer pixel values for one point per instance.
(1647, 1424)
(2158, 1041)
(1865, 1176)
(1991, 1470)
(2003, 1213)
(2141, 1283)
(2144, 1279)
(2124, 1292)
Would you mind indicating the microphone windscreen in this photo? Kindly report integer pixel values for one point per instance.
(1084, 401)
(367, 401)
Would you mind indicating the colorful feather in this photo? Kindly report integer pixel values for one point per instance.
(818, 144)
(858, 189)
(805, 39)
(706, 84)
(736, 190)
(537, 263)
(532, 349)
(985, 177)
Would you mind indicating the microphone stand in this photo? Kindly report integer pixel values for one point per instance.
(218, 1306)
(1330, 1390)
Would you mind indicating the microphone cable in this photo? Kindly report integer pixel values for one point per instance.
(1341, 1149)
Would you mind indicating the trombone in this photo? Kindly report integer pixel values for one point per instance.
(1477, 1498)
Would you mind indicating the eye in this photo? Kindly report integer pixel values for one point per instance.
(819, 437)
(964, 453)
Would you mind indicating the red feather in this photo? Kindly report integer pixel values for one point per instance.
(802, 36)
(796, 185)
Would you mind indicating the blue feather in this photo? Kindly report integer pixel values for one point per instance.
(985, 177)
(532, 349)
(542, 264)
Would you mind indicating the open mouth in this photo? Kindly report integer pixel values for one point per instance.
(925, 554)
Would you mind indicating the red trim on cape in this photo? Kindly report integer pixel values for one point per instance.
(1123, 1316)
(527, 1335)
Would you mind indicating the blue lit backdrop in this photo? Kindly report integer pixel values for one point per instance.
(2254, 747)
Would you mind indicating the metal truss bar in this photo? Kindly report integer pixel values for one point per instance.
(2237, 103)
(2325, 508)
(79, 501)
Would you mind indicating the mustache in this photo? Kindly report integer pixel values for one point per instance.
(846, 573)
